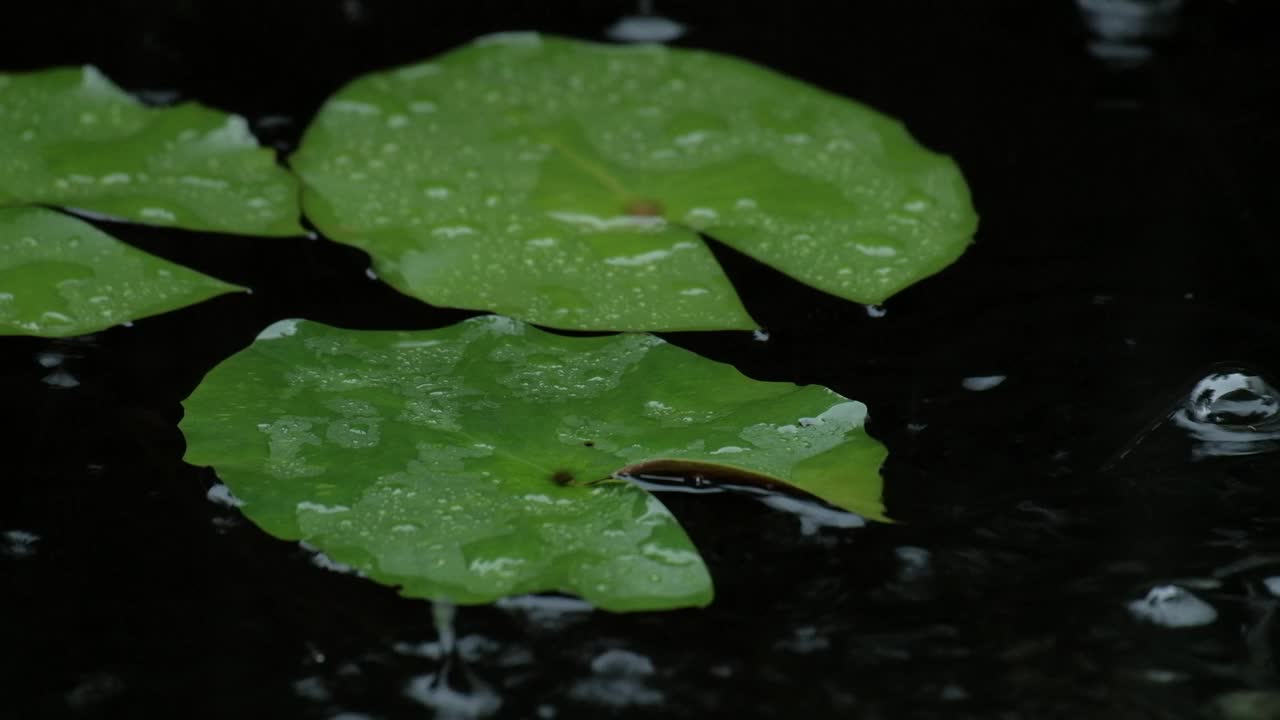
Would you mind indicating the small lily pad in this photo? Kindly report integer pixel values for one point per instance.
(60, 276)
(480, 460)
(566, 183)
(70, 137)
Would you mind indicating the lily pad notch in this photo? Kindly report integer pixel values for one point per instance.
(71, 138)
(566, 183)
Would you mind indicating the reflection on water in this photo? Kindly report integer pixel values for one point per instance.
(18, 543)
(979, 383)
(618, 679)
(547, 612)
(812, 513)
(1124, 28)
(1173, 606)
(59, 376)
(645, 27)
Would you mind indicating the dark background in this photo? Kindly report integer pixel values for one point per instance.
(1128, 243)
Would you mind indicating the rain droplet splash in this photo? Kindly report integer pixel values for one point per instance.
(1231, 412)
(454, 692)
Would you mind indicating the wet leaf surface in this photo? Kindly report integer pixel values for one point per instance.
(475, 462)
(565, 183)
(60, 276)
(70, 137)
(1127, 246)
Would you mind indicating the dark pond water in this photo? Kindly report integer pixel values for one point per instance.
(1086, 480)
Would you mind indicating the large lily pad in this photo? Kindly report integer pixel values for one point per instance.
(474, 461)
(70, 137)
(565, 183)
(60, 276)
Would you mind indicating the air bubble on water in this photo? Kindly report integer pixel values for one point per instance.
(760, 335)
(1233, 398)
(60, 379)
(1231, 412)
(876, 311)
(1174, 607)
(369, 273)
(979, 383)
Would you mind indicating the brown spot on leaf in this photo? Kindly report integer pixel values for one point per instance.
(644, 207)
(562, 477)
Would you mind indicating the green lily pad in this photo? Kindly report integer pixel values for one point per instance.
(477, 461)
(70, 137)
(565, 183)
(60, 276)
